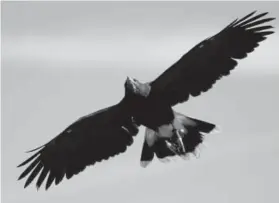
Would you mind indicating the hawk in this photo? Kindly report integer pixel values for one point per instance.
(108, 132)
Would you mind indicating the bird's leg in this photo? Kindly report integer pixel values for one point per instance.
(175, 143)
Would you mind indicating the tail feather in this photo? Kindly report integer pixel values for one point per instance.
(188, 123)
(196, 130)
(161, 150)
(147, 154)
(192, 140)
(203, 126)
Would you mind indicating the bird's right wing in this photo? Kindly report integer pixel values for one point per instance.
(90, 139)
(210, 60)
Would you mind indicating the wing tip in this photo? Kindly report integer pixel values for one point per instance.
(29, 159)
(249, 20)
(32, 150)
(20, 177)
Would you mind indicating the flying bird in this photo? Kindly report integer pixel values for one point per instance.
(108, 132)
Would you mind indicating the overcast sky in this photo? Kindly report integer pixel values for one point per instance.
(125, 31)
(62, 60)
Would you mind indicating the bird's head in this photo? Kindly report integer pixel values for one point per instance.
(134, 87)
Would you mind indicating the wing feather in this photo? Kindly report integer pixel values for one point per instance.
(90, 139)
(199, 69)
(42, 177)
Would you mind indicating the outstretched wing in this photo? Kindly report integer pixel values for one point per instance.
(90, 139)
(208, 61)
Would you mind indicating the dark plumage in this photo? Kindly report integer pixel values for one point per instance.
(210, 60)
(91, 139)
(110, 131)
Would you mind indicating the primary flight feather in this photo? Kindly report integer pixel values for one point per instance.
(108, 132)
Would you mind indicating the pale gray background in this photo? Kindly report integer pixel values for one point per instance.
(62, 60)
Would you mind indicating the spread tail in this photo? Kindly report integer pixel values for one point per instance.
(195, 130)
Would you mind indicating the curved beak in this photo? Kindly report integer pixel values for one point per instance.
(130, 83)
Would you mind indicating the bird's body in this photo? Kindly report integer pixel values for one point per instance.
(150, 113)
(108, 132)
(156, 115)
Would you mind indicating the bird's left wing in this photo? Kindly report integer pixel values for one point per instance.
(90, 139)
(210, 60)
